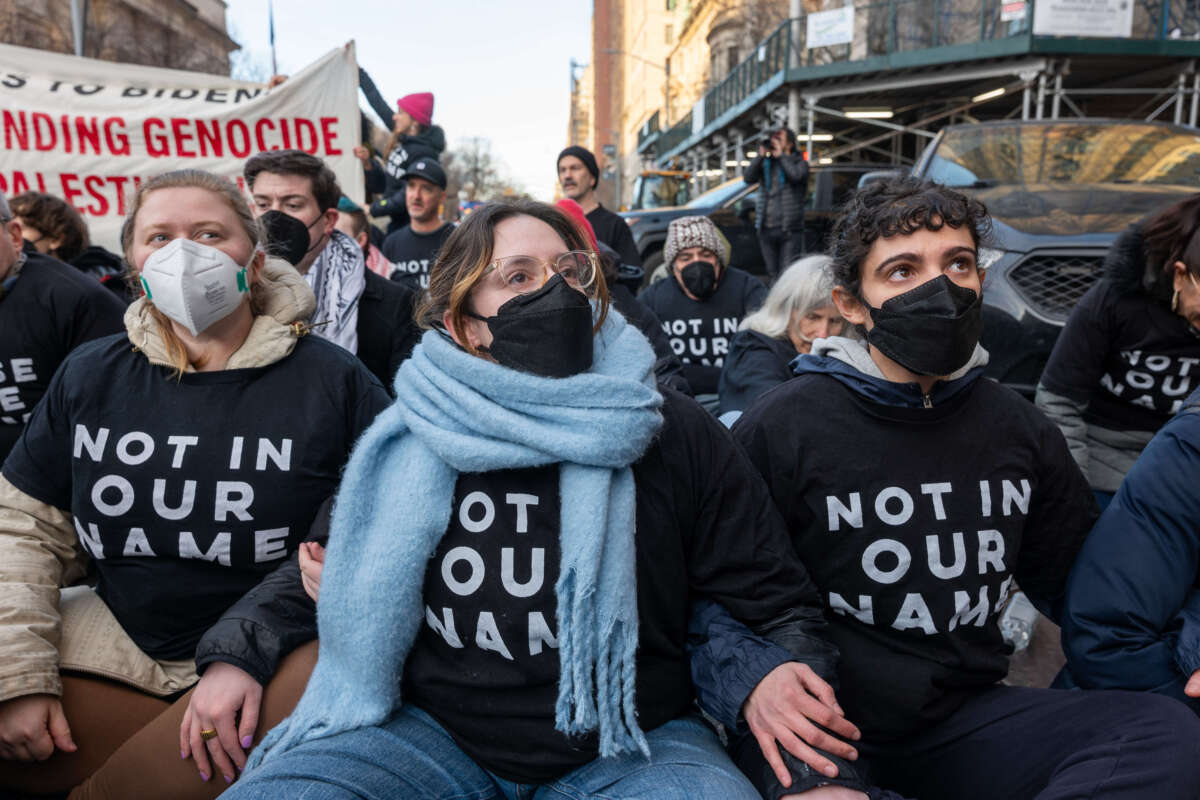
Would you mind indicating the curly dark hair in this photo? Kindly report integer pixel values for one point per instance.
(898, 207)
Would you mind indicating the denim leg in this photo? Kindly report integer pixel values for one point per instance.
(409, 756)
(686, 762)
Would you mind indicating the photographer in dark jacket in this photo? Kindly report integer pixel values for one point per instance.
(1130, 352)
(916, 491)
(782, 175)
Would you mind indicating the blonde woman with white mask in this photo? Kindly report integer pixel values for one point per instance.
(186, 458)
(798, 310)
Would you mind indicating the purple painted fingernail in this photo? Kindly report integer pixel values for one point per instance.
(247, 741)
(203, 776)
(183, 754)
(228, 779)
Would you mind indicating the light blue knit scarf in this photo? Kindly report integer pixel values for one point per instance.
(454, 413)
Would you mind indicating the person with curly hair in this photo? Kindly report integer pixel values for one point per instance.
(917, 492)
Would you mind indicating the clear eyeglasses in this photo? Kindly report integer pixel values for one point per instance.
(525, 274)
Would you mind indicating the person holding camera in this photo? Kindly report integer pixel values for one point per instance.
(782, 174)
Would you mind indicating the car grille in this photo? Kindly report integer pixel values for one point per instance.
(1052, 283)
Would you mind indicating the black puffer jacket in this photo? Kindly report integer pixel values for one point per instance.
(765, 170)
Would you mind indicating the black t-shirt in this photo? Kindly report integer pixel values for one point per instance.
(414, 254)
(756, 364)
(51, 309)
(705, 525)
(1130, 359)
(491, 622)
(187, 491)
(913, 522)
(613, 230)
(700, 330)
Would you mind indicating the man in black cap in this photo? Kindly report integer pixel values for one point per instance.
(579, 175)
(413, 248)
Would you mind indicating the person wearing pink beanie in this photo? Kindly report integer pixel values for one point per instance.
(413, 137)
(418, 107)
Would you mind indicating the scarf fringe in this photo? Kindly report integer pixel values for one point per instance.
(609, 703)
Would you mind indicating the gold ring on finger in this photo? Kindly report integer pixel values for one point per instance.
(208, 733)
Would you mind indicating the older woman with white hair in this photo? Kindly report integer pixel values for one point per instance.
(798, 310)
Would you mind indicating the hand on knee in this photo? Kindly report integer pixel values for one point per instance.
(828, 793)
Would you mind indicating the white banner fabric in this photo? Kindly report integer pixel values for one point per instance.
(91, 131)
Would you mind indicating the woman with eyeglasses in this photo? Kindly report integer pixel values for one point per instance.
(503, 607)
(1129, 354)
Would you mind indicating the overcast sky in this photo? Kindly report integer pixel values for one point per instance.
(499, 70)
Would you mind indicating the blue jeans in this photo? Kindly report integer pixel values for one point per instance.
(411, 756)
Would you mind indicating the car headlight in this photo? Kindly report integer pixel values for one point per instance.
(988, 256)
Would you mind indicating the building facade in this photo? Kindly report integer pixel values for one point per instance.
(651, 61)
(178, 34)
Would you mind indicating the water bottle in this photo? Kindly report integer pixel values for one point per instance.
(1017, 621)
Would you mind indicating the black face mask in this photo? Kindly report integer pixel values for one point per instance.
(547, 332)
(930, 330)
(287, 236)
(700, 278)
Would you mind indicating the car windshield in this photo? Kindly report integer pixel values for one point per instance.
(718, 194)
(1067, 153)
(660, 191)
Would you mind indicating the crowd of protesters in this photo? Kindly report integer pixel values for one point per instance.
(296, 505)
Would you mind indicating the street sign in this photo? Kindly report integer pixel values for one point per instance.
(826, 28)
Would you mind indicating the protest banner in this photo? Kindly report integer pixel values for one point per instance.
(91, 131)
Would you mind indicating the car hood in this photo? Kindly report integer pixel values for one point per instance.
(1058, 210)
(664, 213)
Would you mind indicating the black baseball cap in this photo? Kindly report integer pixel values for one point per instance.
(429, 169)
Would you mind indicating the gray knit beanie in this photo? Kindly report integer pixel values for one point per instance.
(688, 232)
(5, 211)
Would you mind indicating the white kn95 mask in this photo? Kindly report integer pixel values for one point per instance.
(193, 284)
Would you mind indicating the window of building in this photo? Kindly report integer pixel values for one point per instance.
(671, 5)
(669, 34)
(732, 60)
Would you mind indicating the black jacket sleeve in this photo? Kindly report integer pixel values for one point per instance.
(1061, 513)
(624, 245)
(667, 366)
(795, 168)
(754, 172)
(269, 621)
(375, 99)
(750, 370)
(376, 181)
(1077, 361)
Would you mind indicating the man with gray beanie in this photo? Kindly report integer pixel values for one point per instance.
(579, 175)
(701, 308)
(47, 309)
